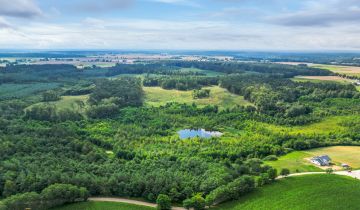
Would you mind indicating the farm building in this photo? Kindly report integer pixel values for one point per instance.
(323, 160)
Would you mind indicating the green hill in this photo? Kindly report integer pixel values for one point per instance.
(309, 192)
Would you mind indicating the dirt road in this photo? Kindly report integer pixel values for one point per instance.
(129, 201)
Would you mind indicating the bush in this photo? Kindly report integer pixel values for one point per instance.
(163, 202)
(284, 172)
(197, 202)
(270, 158)
(233, 190)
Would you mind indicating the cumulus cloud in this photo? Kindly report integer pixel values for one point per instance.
(19, 8)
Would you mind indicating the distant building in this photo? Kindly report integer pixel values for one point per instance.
(323, 160)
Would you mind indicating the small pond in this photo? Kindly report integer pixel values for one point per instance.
(202, 133)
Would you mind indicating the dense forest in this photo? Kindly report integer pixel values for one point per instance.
(115, 144)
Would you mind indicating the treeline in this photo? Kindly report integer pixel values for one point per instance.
(283, 97)
(286, 71)
(45, 73)
(52, 196)
(180, 83)
(152, 68)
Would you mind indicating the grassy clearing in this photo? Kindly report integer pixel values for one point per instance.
(296, 161)
(102, 206)
(76, 103)
(327, 126)
(208, 73)
(156, 96)
(309, 192)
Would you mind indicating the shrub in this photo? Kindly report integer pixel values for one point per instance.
(284, 172)
(197, 202)
(270, 158)
(163, 202)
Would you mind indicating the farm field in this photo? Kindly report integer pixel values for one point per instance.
(156, 96)
(348, 70)
(91, 205)
(296, 161)
(309, 192)
(321, 79)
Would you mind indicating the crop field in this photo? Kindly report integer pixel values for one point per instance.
(330, 192)
(9, 91)
(321, 78)
(91, 205)
(297, 161)
(348, 70)
(156, 96)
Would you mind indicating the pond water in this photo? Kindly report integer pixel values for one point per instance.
(202, 133)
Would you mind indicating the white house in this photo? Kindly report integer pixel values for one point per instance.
(323, 160)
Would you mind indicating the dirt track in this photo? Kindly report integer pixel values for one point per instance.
(129, 201)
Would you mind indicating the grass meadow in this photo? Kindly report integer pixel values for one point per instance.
(156, 96)
(76, 103)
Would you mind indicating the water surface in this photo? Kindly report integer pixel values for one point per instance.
(202, 133)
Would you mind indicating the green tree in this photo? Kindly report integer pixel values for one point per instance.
(284, 172)
(329, 171)
(9, 188)
(163, 202)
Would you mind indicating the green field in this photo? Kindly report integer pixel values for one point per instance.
(76, 103)
(297, 161)
(91, 205)
(348, 70)
(208, 73)
(311, 192)
(156, 96)
(325, 127)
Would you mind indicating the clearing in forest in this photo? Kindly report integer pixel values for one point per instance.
(156, 96)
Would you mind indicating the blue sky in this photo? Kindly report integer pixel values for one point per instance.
(180, 24)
